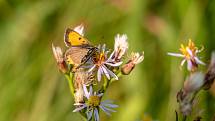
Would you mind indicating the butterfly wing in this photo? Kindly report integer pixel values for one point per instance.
(74, 55)
(72, 38)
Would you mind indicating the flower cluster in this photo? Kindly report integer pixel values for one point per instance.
(189, 55)
(86, 67)
(196, 80)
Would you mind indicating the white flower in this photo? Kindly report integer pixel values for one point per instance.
(93, 104)
(100, 63)
(189, 53)
(121, 46)
(80, 29)
(137, 58)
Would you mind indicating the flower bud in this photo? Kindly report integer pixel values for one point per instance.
(58, 54)
(127, 68)
(194, 82)
(135, 58)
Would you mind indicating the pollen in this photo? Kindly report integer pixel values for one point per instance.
(189, 50)
(102, 57)
(99, 58)
(94, 101)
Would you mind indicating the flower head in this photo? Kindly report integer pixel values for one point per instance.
(135, 58)
(189, 53)
(93, 103)
(120, 46)
(101, 63)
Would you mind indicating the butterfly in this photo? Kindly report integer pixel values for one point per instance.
(80, 50)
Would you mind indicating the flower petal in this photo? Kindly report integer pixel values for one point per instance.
(189, 65)
(91, 90)
(111, 73)
(110, 59)
(96, 114)
(109, 105)
(183, 61)
(114, 64)
(107, 101)
(105, 71)
(86, 93)
(103, 48)
(80, 108)
(189, 51)
(89, 114)
(121, 42)
(199, 61)
(175, 54)
(106, 111)
(91, 69)
(99, 74)
(139, 59)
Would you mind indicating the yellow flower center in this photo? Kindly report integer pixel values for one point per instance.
(94, 101)
(99, 58)
(191, 46)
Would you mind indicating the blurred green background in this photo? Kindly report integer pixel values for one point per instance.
(32, 88)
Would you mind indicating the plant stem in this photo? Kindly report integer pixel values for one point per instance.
(176, 116)
(83, 115)
(184, 118)
(69, 79)
(108, 82)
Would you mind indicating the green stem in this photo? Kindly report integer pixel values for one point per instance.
(184, 118)
(108, 82)
(84, 116)
(69, 78)
(71, 86)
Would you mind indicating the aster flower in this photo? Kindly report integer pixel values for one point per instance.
(189, 55)
(94, 103)
(135, 59)
(101, 61)
(120, 46)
